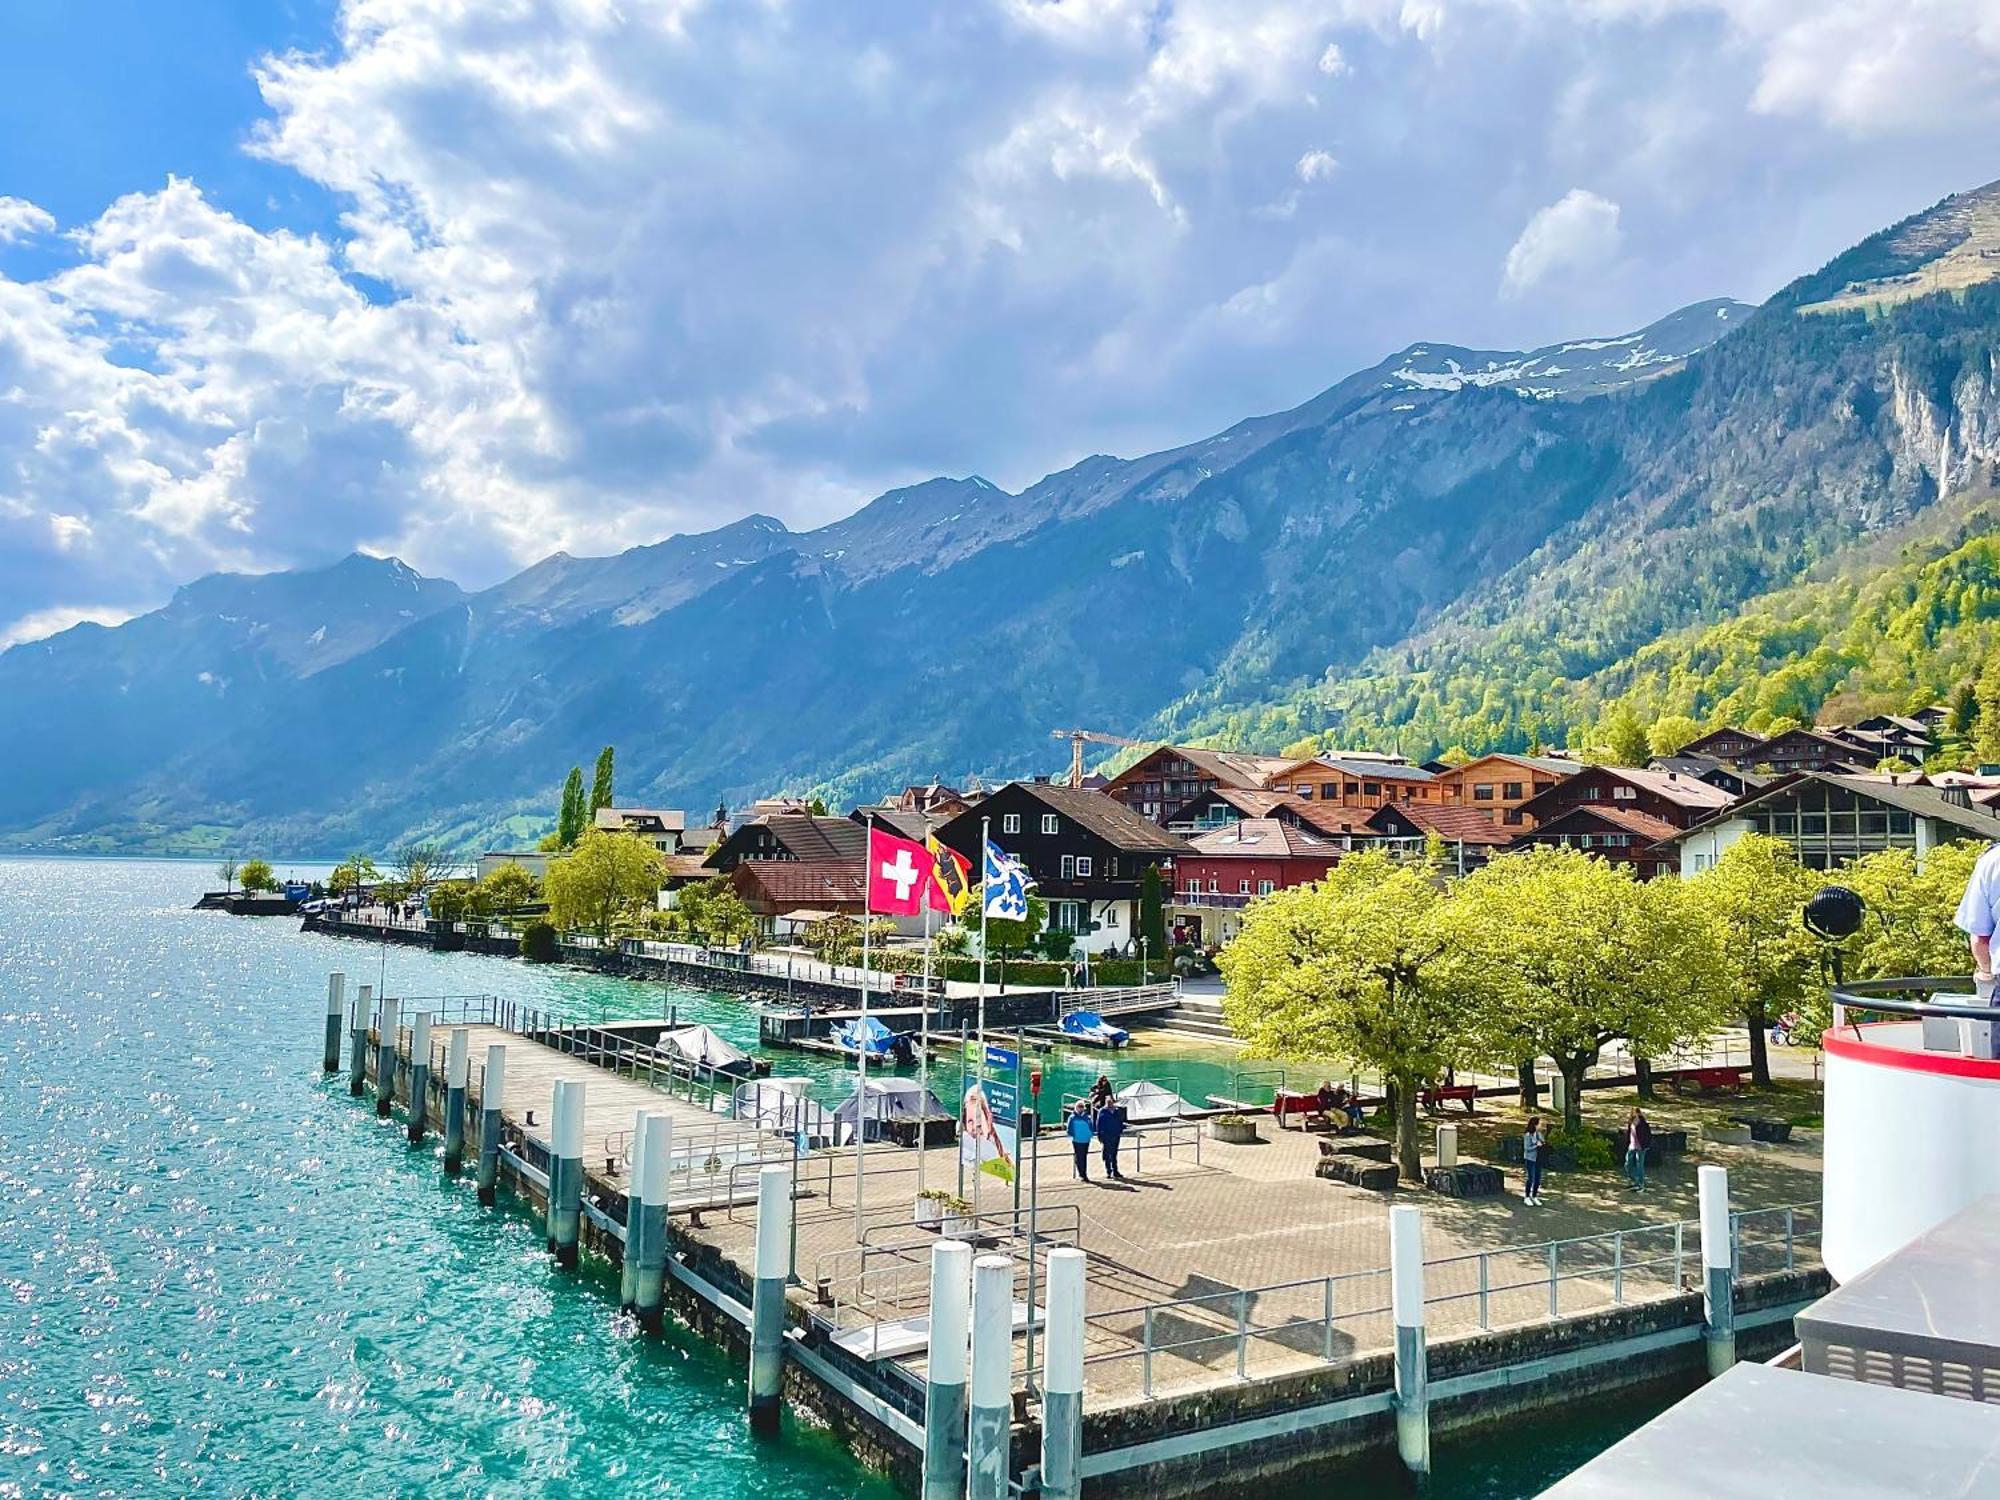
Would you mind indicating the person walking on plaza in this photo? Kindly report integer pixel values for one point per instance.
(1110, 1125)
(1079, 1139)
(1534, 1146)
(1638, 1140)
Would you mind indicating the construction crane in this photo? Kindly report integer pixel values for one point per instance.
(1076, 738)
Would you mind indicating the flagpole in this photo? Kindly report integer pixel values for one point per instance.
(924, 1049)
(861, 1031)
(985, 834)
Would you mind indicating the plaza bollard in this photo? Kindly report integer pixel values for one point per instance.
(635, 1170)
(1718, 1288)
(1447, 1145)
(1406, 1300)
(388, 1036)
(336, 1014)
(945, 1370)
(767, 1298)
(1062, 1379)
(420, 1075)
(357, 1051)
(650, 1290)
(457, 1068)
(492, 1094)
(989, 1424)
(565, 1218)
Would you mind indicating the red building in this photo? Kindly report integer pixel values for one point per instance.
(1225, 870)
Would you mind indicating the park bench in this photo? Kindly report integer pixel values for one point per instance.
(1707, 1080)
(1306, 1106)
(1434, 1099)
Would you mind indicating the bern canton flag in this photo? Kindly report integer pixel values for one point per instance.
(1006, 885)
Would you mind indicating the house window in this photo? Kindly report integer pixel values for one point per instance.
(1371, 788)
(1590, 793)
(1264, 887)
(1242, 887)
(1211, 885)
(1051, 823)
(1083, 866)
(1511, 791)
(1306, 792)
(1483, 792)
(1353, 788)
(1111, 915)
(1624, 794)
(1515, 816)
(1069, 867)
(1010, 823)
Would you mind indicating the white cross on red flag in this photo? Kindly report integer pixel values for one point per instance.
(899, 875)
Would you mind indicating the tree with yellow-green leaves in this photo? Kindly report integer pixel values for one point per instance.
(1622, 736)
(604, 875)
(1911, 903)
(1671, 733)
(1352, 968)
(509, 886)
(1755, 893)
(1986, 729)
(1559, 954)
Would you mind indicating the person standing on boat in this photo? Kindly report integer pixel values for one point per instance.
(1080, 1135)
(1979, 915)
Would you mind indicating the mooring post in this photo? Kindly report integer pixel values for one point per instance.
(944, 1370)
(1406, 1298)
(457, 1067)
(650, 1290)
(1718, 1302)
(992, 1398)
(767, 1301)
(565, 1219)
(1062, 1378)
(336, 1015)
(388, 1033)
(420, 1075)
(635, 1173)
(357, 1048)
(492, 1094)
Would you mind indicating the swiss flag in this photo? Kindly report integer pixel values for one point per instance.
(899, 874)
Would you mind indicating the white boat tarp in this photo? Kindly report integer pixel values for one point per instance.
(890, 1099)
(783, 1104)
(703, 1044)
(1146, 1100)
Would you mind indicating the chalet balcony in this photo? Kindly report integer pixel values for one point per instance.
(1223, 900)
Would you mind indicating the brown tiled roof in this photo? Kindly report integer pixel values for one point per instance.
(1232, 768)
(811, 837)
(686, 867)
(782, 884)
(1686, 790)
(1454, 824)
(1267, 838)
(1107, 817)
(1644, 825)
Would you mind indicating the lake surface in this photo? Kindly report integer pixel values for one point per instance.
(219, 1275)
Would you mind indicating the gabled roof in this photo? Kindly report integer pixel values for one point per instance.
(1700, 744)
(665, 819)
(1623, 819)
(1228, 767)
(1684, 791)
(1266, 838)
(915, 826)
(1454, 823)
(1905, 796)
(805, 836)
(1548, 765)
(1373, 770)
(786, 883)
(1251, 802)
(1096, 812)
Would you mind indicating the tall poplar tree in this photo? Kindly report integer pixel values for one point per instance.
(570, 821)
(600, 785)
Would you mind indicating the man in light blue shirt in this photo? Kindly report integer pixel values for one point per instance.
(1979, 915)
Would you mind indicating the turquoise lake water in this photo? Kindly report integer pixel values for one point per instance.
(221, 1276)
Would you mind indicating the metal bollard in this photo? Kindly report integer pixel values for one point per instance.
(989, 1427)
(565, 1217)
(945, 1370)
(650, 1290)
(635, 1172)
(1718, 1302)
(420, 1075)
(492, 1094)
(1062, 1379)
(388, 1034)
(357, 1042)
(336, 1013)
(457, 1068)
(767, 1301)
(1406, 1297)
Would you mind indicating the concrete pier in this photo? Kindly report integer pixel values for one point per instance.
(628, 1269)
(388, 1032)
(336, 1013)
(767, 1306)
(492, 1096)
(1406, 1297)
(988, 1427)
(1062, 1379)
(945, 1408)
(1718, 1285)
(649, 1286)
(565, 1219)
(457, 1069)
(420, 1075)
(357, 1056)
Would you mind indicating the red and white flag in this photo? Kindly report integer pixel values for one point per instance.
(899, 874)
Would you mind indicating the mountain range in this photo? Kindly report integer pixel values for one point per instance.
(1453, 545)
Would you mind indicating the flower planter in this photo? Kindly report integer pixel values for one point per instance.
(958, 1226)
(930, 1213)
(1233, 1132)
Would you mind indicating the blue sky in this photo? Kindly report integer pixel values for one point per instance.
(470, 281)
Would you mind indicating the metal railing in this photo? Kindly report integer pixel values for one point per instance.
(1113, 1000)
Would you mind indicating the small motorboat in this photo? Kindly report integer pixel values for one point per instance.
(1088, 1026)
(705, 1047)
(866, 1036)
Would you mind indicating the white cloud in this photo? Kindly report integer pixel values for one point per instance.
(47, 622)
(1316, 166)
(19, 218)
(1578, 232)
(1333, 62)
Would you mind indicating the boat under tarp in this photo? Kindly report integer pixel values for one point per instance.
(784, 1105)
(708, 1047)
(1089, 1026)
(889, 1100)
(867, 1035)
(1146, 1100)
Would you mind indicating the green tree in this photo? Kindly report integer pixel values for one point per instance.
(1894, 765)
(1670, 733)
(1909, 927)
(1152, 915)
(419, 867)
(816, 805)
(572, 818)
(1457, 755)
(600, 783)
(256, 876)
(1006, 935)
(226, 872)
(451, 901)
(1964, 715)
(1986, 733)
(510, 887)
(1755, 894)
(1623, 737)
(351, 874)
(605, 874)
(713, 913)
(1562, 954)
(1354, 968)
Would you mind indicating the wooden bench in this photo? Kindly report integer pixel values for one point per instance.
(1707, 1080)
(1435, 1098)
(1306, 1106)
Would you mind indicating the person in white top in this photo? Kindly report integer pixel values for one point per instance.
(1979, 915)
